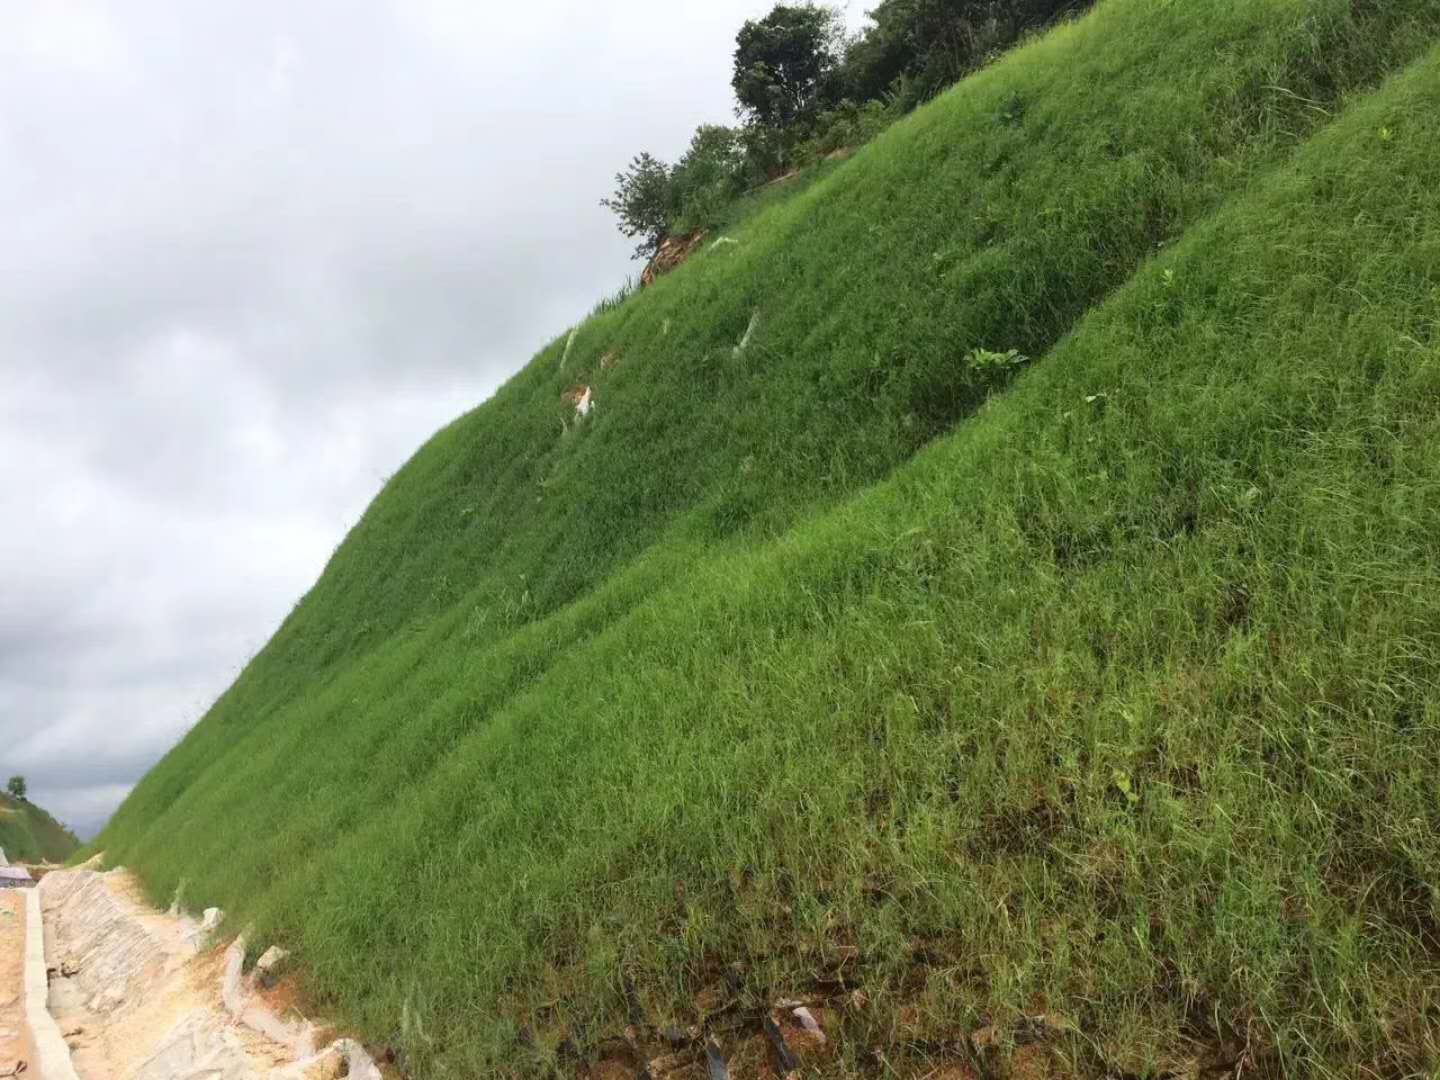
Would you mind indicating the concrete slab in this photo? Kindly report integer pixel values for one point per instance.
(53, 1055)
(151, 996)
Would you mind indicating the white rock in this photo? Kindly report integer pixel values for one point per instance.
(809, 1023)
(271, 959)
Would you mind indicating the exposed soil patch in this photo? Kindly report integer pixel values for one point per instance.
(673, 251)
(15, 1047)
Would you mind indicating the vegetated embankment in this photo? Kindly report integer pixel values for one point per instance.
(1114, 705)
(28, 834)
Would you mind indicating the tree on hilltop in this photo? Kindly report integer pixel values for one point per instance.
(786, 62)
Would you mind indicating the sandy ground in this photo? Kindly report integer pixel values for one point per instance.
(14, 1036)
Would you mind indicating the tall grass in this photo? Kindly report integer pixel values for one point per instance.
(1112, 694)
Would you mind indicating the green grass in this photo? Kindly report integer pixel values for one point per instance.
(29, 834)
(1110, 691)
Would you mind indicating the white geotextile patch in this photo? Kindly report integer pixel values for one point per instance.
(585, 403)
(749, 333)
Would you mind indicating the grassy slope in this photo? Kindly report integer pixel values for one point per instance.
(1120, 700)
(29, 834)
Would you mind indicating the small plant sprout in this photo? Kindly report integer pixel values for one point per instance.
(986, 363)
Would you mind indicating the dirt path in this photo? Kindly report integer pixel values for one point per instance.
(14, 1035)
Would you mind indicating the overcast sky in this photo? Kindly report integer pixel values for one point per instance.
(255, 252)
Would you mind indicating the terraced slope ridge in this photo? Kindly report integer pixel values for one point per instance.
(1000, 586)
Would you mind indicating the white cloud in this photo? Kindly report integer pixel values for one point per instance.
(72, 37)
(255, 253)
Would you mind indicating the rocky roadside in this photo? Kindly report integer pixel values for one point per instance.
(144, 995)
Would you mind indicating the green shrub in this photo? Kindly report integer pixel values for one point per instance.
(847, 126)
(709, 177)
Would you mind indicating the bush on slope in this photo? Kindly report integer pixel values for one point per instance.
(1098, 696)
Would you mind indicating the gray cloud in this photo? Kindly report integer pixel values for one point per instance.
(254, 254)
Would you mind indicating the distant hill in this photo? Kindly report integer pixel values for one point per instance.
(991, 597)
(29, 834)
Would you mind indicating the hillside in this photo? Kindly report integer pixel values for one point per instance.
(1002, 582)
(29, 834)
